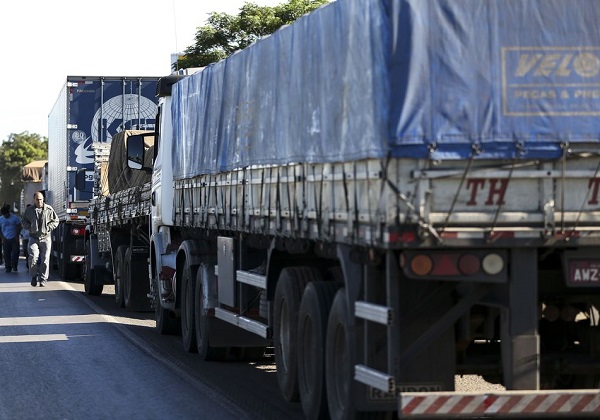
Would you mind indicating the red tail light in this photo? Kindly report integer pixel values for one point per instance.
(77, 231)
(469, 264)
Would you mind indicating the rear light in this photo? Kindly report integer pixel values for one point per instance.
(421, 265)
(551, 313)
(569, 313)
(492, 264)
(478, 265)
(77, 231)
(469, 264)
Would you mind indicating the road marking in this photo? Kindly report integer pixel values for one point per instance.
(32, 338)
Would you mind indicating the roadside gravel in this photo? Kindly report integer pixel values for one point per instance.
(475, 383)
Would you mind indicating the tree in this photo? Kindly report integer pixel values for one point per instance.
(16, 152)
(224, 33)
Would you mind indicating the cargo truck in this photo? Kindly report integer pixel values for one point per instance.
(88, 109)
(117, 240)
(389, 193)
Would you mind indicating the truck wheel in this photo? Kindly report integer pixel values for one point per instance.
(165, 324)
(93, 280)
(203, 322)
(339, 359)
(312, 331)
(188, 329)
(119, 275)
(137, 284)
(285, 325)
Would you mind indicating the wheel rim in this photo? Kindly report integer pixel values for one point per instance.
(156, 300)
(309, 364)
(125, 284)
(201, 320)
(188, 308)
(341, 379)
(118, 290)
(284, 336)
(86, 280)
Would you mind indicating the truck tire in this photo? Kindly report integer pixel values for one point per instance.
(313, 316)
(339, 359)
(203, 323)
(165, 324)
(188, 313)
(93, 280)
(288, 295)
(119, 275)
(137, 284)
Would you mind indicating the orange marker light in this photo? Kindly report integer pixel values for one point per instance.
(421, 265)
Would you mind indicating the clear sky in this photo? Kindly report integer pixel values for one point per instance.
(42, 42)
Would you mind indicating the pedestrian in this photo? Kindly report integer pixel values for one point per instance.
(10, 227)
(39, 219)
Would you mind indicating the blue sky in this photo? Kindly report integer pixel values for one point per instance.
(44, 41)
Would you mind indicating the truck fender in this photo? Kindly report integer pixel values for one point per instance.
(191, 250)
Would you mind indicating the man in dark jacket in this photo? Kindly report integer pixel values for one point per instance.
(39, 219)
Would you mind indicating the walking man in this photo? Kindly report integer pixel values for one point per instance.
(10, 227)
(39, 219)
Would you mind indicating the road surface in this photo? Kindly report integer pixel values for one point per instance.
(64, 355)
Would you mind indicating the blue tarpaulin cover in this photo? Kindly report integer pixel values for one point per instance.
(438, 79)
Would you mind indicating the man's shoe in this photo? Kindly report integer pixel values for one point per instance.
(42, 284)
(34, 281)
(8, 270)
(15, 269)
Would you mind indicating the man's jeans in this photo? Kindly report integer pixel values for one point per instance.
(39, 249)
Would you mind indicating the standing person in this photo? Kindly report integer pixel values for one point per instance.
(10, 227)
(39, 219)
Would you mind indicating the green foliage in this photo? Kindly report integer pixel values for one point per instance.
(16, 152)
(224, 34)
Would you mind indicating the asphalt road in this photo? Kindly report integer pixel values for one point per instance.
(66, 355)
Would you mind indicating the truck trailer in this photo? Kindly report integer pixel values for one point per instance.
(88, 109)
(389, 193)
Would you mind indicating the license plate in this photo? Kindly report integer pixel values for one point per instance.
(583, 273)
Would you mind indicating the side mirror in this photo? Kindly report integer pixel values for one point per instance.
(136, 151)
